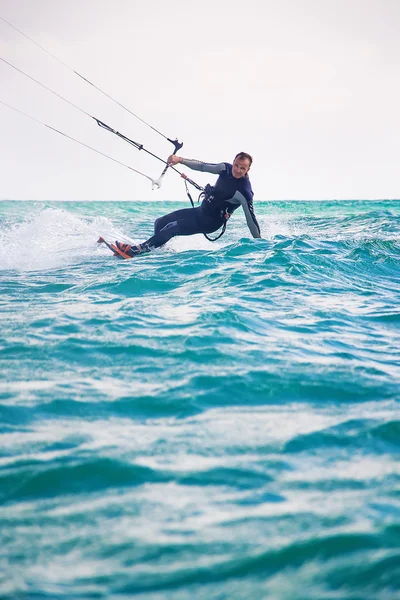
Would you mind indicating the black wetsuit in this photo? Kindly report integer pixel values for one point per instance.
(226, 196)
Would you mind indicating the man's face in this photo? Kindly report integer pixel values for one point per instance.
(240, 167)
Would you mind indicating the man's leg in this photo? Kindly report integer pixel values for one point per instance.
(186, 221)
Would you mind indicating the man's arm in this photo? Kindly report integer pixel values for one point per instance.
(247, 205)
(197, 165)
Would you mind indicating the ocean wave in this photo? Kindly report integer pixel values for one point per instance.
(207, 420)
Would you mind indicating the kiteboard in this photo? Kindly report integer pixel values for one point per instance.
(113, 248)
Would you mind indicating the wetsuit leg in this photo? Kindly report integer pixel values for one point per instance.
(158, 224)
(187, 221)
(185, 214)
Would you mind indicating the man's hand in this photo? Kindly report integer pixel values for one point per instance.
(174, 159)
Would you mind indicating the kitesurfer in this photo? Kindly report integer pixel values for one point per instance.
(231, 190)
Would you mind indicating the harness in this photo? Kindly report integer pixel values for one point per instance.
(204, 194)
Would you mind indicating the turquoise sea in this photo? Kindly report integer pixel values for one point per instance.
(208, 421)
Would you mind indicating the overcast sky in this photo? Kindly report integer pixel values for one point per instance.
(310, 88)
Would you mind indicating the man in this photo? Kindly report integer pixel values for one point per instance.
(232, 189)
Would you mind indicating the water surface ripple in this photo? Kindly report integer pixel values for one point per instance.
(208, 421)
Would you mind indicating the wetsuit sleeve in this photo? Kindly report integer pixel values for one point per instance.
(247, 205)
(197, 165)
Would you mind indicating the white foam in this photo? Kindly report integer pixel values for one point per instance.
(53, 238)
(192, 242)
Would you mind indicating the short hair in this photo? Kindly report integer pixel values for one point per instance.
(244, 156)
